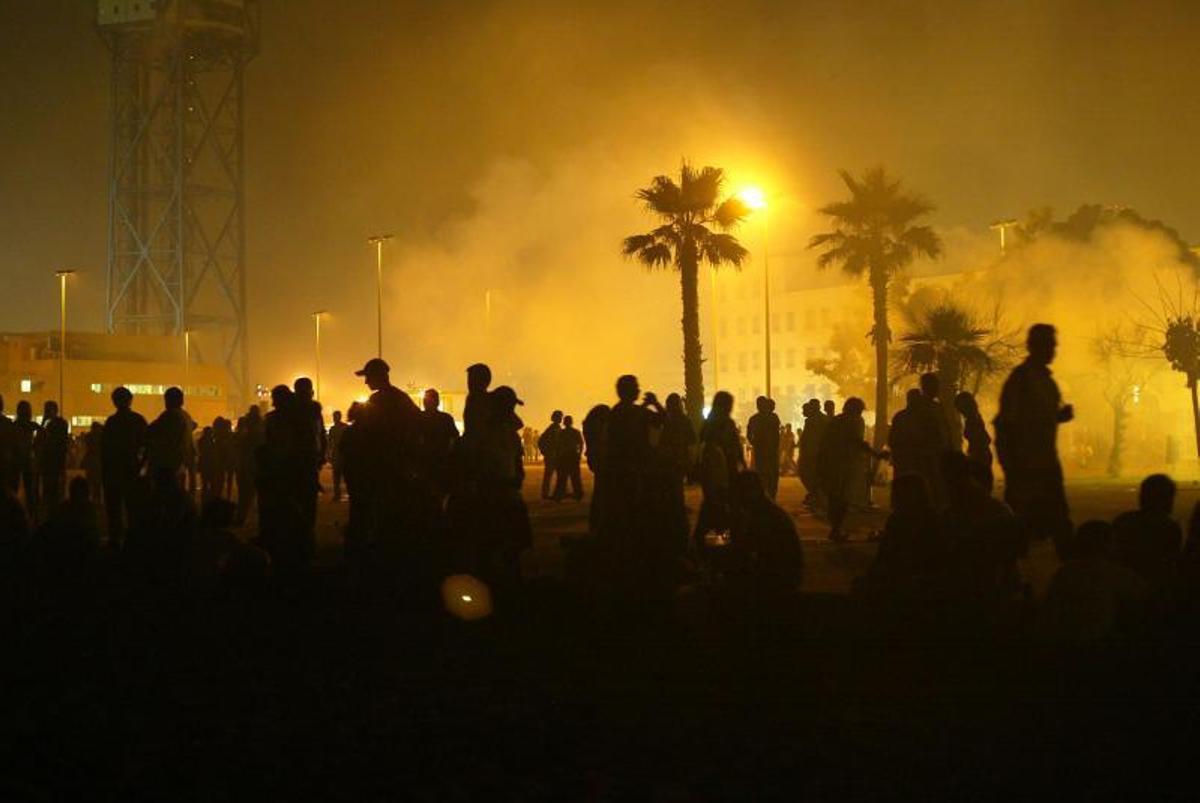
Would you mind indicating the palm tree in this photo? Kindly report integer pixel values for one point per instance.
(874, 234)
(946, 339)
(687, 211)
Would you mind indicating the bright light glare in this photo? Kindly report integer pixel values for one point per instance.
(466, 597)
(753, 197)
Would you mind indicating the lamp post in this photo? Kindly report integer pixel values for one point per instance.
(62, 275)
(754, 198)
(1003, 226)
(378, 240)
(317, 322)
(187, 358)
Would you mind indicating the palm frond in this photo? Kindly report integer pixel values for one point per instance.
(730, 212)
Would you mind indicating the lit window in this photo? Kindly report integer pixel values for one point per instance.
(27, 386)
(97, 387)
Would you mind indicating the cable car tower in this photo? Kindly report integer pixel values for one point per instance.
(176, 200)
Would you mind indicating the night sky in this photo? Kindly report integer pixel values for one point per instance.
(502, 143)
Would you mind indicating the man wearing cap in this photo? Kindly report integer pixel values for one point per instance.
(391, 422)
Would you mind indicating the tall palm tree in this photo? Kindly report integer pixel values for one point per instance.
(875, 234)
(687, 211)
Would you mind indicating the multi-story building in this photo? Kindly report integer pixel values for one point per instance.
(98, 363)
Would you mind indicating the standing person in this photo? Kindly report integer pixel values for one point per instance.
(830, 409)
(337, 431)
(1031, 409)
(502, 530)
(720, 462)
(842, 449)
(206, 459)
(932, 438)
(476, 410)
(313, 446)
(283, 482)
(91, 462)
(595, 435)
(762, 430)
(51, 448)
(351, 457)
(248, 440)
(27, 432)
(391, 439)
(10, 451)
(439, 436)
(548, 446)
(225, 457)
(121, 451)
(170, 448)
(566, 460)
(979, 442)
(787, 450)
(815, 424)
(678, 437)
(904, 438)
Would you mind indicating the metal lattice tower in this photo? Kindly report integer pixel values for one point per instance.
(176, 201)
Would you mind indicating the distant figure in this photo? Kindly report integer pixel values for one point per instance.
(933, 437)
(314, 446)
(841, 464)
(10, 452)
(248, 439)
(1031, 409)
(439, 436)
(1148, 540)
(352, 457)
(904, 436)
(27, 432)
(1092, 597)
(169, 444)
(979, 442)
(762, 431)
(548, 446)
(595, 435)
(566, 460)
(721, 461)
(830, 409)
(122, 446)
(476, 410)
(767, 552)
(815, 424)
(678, 437)
(787, 451)
(285, 482)
(206, 459)
(90, 462)
(51, 448)
(336, 431)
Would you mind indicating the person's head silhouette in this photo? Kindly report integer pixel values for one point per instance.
(1042, 343)
(432, 400)
(173, 398)
(830, 408)
(931, 386)
(722, 403)
(627, 388)
(122, 399)
(762, 404)
(24, 411)
(303, 388)
(854, 406)
(567, 422)
(1157, 494)
(556, 417)
(965, 403)
(337, 416)
(50, 410)
(912, 398)
(281, 395)
(479, 378)
(674, 404)
(376, 373)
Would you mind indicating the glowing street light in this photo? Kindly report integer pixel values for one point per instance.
(1003, 226)
(317, 322)
(187, 358)
(756, 199)
(62, 275)
(378, 240)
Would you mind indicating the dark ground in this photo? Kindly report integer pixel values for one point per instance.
(353, 686)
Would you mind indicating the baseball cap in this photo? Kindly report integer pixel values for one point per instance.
(374, 366)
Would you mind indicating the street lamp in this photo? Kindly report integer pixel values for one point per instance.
(756, 199)
(317, 322)
(378, 240)
(712, 278)
(1003, 226)
(62, 275)
(187, 358)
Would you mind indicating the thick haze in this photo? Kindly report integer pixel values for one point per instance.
(502, 143)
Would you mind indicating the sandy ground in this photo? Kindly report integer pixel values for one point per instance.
(830, 568)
